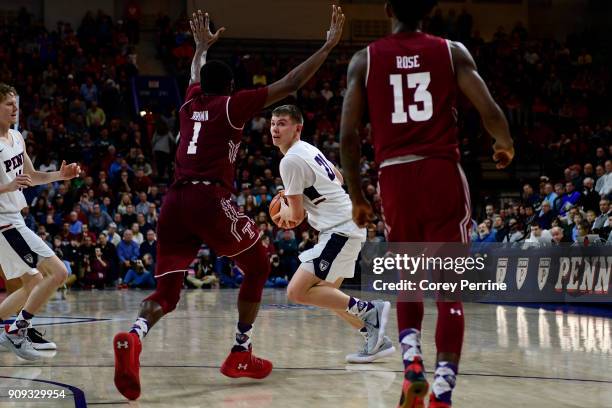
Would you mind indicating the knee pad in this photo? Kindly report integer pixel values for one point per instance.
(255, 264)
(168, 291)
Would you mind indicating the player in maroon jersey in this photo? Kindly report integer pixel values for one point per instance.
(409, 82)
(198, 207)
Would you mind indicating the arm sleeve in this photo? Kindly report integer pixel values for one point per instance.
(296, 174)
(244, 104)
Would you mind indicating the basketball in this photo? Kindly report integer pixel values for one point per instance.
(275, 204)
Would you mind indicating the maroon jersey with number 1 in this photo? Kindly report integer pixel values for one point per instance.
(211, 132)
(198, 207)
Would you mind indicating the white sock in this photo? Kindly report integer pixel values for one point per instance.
(140, 327)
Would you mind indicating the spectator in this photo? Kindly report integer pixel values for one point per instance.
(99, 220)
(546, 215)
(606, 180)
(109, 254)
(269, 247)
(89, 91)
(129, 218)
(288, 250)
(136, 234)
(539, 236)
(98, 272)
(128, 250)
(76, 226)
(143, 205)
(149, 246)
(138, 277)
(589, 199)
(582, 231)
(113, 236)
(558, 237)
(489, 211)
(515, 232)
(95, 116)
(604, 212)
(485, 235)
(550, 195)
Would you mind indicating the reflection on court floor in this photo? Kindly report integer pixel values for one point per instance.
(513, 356)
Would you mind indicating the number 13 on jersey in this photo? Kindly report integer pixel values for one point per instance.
(420, 81)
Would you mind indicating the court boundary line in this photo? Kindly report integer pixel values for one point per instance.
(79, 396)
(467, 374)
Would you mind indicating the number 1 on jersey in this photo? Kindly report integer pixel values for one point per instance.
(420, 81)
(193, 144)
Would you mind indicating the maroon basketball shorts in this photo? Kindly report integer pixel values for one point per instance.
(197, 213)
(427, 200)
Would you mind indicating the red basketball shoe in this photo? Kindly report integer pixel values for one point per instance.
(245, 364)
(415, 385)
(434, 403)
(127, 348)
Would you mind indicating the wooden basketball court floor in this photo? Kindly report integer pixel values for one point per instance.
(513, 357)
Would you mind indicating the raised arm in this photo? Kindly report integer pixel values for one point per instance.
(204, 39)
(472, 85)
(353, 109)
(301, 74)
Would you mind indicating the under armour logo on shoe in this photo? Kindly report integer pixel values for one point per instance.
(242, 366)
(122, 344)
(455, 311)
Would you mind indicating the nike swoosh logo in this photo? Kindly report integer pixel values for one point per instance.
(16, 346)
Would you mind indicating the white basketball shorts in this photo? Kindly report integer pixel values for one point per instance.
(334, 256)
(21, 250)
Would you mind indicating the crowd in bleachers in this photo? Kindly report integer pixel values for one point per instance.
(75, 105)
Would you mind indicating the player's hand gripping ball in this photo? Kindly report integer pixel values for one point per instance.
(278, 202)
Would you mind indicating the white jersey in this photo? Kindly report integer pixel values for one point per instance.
(11, 164)
(306, 171)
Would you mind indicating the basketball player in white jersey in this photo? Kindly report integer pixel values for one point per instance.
(23, 254)
(314, 185)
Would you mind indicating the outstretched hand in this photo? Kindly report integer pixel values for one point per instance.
(69, 171)
(334, 35)
(200, 27)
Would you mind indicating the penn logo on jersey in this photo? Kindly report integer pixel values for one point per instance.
(14, 162)
(200, 116)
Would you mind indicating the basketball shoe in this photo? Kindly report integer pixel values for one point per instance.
(415, 385)
(20, 344)
(127, 347)
(39, 342)
(375, 321)
(245, 364)
(361, 357)
(434, 403)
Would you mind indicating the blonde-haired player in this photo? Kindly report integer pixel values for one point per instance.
(23, 254)
(314, 184)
